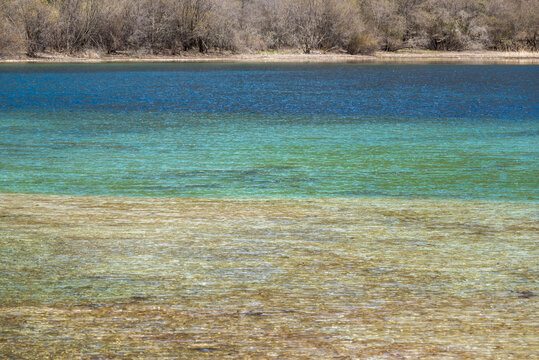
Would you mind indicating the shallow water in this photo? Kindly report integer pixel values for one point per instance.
(378, 278)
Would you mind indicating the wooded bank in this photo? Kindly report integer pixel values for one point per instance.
(171, 27)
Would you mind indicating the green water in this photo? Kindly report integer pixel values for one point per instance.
(182, 154)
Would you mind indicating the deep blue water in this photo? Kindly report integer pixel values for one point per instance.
(430, 131)
(395, 91)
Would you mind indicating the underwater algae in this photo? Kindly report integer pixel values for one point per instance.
(341, 278)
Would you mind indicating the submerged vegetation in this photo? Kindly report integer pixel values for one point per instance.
(173, 26)
(154, 278)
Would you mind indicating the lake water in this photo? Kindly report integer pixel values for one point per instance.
(291, 211)
(301, 130)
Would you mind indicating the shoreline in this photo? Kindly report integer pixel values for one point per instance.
(262, 199)
(403, 57)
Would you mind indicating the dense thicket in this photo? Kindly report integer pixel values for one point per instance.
(356, 26)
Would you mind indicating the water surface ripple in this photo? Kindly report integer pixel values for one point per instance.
(427, 131)
(299, 211)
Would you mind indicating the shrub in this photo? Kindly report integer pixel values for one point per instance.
(362, 43)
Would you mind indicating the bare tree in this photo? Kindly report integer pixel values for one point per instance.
(174, 26)
(77, 24)
(321, 24)
(10, 34)
(34, 19)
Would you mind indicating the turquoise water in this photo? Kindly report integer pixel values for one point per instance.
(228, 130)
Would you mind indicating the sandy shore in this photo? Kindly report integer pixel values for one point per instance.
(465, 57)
(143, 278)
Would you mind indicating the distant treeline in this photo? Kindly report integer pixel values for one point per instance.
(174, 26)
